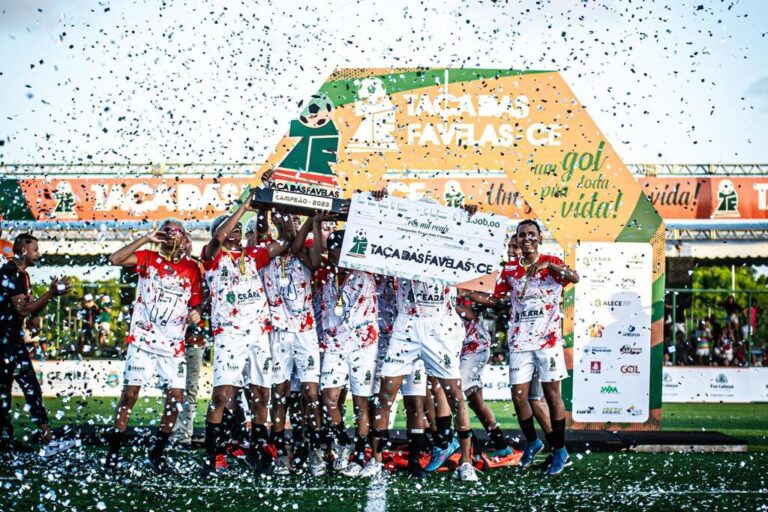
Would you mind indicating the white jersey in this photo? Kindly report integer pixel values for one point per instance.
(287, 282)
(164, 294)
(424, 300)
(357, 326)
(238, 300)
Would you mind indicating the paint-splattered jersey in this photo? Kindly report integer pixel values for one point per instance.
(535, 320)
(357, 326)
(164, 294)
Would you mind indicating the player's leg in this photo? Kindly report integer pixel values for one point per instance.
(361, 366)
(139, 371)
(182, 432)
(260, 377)
(33, 394)
(215, 430)
(521, 368)
(551, 366)
(380, 432)
(282, 367)
(539, 404)
(488, 419)
(445, 443)
(334, 376)
(458, 406)
(172, 376)
(306, 353)
(416, 425)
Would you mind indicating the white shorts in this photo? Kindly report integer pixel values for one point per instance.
(237, 362)
(549, 362)
(436, 341)
(358, 367)
(299, 350)
(414, 384)
(471, 367)
(144, 368)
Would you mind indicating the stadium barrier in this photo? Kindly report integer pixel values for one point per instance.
(681, 384)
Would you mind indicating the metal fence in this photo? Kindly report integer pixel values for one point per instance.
(719, 327)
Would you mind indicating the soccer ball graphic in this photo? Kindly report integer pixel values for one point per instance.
(317, 112)
(371, 90)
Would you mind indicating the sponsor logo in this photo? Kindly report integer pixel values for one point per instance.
(595, 366)
(596, 330)
(417, 376)
(628, 282)
(727, 200)
(359, 245)
(600, 350)
(267, 364)
(113, 379)
(631, 369)
(368, 377)
(634, 411)
(589, 261)
(721, 379)
(375, 133)
(612, 410)
(552, 364)
(588, 410)
(446, 360)
(310, 362)
(599, 280)
(609, 390)
(600, 303)
(528, 315)
(721, 382)
(631, 332)
(632, 350)
(635, 261)
(667, 377)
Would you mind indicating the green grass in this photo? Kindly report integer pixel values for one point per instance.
(745, 421)
(597, 481)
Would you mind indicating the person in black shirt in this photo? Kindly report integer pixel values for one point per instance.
(16, 306)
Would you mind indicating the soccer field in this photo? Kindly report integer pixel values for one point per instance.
(600, 481)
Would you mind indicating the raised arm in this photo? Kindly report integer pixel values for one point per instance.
(126, 257)
(213, 247)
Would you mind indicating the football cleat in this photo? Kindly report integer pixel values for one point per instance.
(530, 453)
(440, 455)
(467, 473)
(560, 461)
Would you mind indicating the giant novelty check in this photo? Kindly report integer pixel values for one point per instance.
(423, 241)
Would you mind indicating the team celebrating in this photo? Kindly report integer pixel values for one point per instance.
(294, 334)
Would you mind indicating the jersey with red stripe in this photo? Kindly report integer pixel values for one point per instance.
(164, 294)
(238, 300)
(424, 300)
(534, 317)
(357, 326)
(288, 283)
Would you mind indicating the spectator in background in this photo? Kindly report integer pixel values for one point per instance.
(732, 310)
(703, 342)
(750, 324)
(105, 320)
(88, 315)
(682, 349)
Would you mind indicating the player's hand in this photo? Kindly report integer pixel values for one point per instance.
(248, 204)
(538, 267)
(193, 317)
(157, 237)
(61, 286)
(344, 210)
(323, 216)
(380, 194)
(268, 177)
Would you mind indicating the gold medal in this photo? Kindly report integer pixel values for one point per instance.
(283, 277)
(338, 309)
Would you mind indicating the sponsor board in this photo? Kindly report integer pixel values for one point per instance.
(94, 378)
(612, 320)
(705, 384)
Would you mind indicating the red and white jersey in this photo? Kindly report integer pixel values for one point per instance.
(358, 324)
(387, 303)
(535, 320)
(238, 300)
(288, 283)
(424, 300)
(164, 294)
(476, 335)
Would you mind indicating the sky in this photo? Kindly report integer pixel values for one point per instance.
(205, 81)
